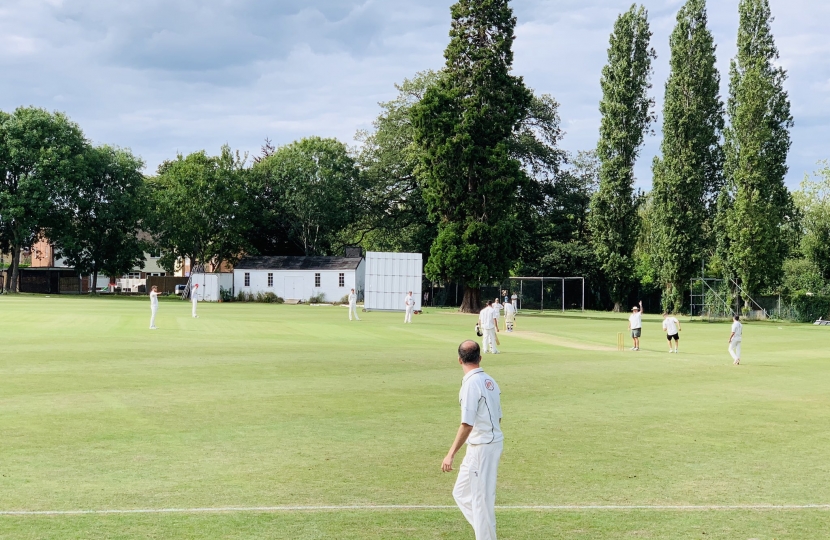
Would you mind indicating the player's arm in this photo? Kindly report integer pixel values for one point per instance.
(460, 438)
(731, 336)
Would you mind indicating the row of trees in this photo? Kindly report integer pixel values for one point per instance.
(464, 166)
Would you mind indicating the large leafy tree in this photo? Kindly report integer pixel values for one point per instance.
(688, 175)
(626, 116)
(395, 216)
(463, 125)
(304, 194)
(813, 201)
(101, 214)
(200, 209)
(754, 207)
(40, 153)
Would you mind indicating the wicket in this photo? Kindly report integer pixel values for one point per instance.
(620, 341)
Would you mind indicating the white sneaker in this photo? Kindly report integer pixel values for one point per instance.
(671, 351)
(496, 352)
(153, 328)
(637, 349)
(633, 348)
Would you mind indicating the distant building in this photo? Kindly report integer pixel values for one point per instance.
(300, 278)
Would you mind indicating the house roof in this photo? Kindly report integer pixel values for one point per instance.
(298, 263)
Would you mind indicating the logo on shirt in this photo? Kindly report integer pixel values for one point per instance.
(489, 385)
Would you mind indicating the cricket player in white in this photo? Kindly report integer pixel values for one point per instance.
(635, 324)
(353, 305)
(409, 303)
(475, 487)
(672, 327)
(515, 301)
(735, 340)
(154, 306)
(194, 298)
(509, 316)
(489, 323)
(497, 307)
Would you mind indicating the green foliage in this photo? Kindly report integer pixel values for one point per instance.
(101, 214)
(803, 275)
(463, 125)
(395, 217)
(317, 299)
(754, 208)
(201, 208)
(226, 294)
(809, 307)
(626, 115)
(40, 154)
(813, 201)
(304, 195)
(688, 175)
(262, 298)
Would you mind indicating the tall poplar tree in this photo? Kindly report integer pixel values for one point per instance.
(463, 125)
(688, 175)
(754, 207)
(626, 115)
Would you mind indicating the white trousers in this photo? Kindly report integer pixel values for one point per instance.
(353, 309)
(735, 349)
(475, 488)
(194, 306)
(488, 341)
(408, 317)
(153, 311)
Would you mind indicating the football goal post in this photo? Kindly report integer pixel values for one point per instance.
(548, 293)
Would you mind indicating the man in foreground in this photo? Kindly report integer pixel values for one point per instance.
(353, 305)
(475, 488)
(672, 327)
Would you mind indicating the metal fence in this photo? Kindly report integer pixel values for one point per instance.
(532, 293)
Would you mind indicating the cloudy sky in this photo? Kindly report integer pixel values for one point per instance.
(168, 76)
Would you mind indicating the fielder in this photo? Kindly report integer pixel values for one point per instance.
(489, 324)
(194, 298)
(515, 301)
(154, 306)
(735, 340)
(509, 316)
(409, 303)
(353, 305)
(672, 327)
(475, 487)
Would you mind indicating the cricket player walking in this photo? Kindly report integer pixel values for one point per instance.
(509, 316)
(154, 306)
(409, 303)
(353, 305)
(480, 429)
(194, 298)
(672, 327)
(489, 323)
(735, 339)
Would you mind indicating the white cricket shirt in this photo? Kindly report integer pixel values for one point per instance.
(154, 299)
(408, 301)
(485, 317)
(670, 325)
(480, 400)
(352, 299)
(509, 310)
(636, 320)
(738, 329)
(497, 308)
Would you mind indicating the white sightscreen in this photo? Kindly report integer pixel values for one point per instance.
(388, 278)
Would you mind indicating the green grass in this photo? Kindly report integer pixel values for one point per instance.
(268, 405)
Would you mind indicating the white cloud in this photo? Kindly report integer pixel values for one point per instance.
(161, 76)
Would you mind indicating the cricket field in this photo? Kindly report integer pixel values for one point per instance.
(260, 421)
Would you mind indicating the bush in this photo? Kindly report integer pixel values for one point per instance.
(810, 307)
(317, 299)
(344, 300)
(225, 294)
(263, 298)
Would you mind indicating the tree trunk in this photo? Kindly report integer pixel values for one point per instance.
(617, 307)
(471, 303)
(11, 286)
(94, 287)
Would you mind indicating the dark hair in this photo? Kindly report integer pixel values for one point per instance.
(469, 353)
(737, 317)
(489, 302)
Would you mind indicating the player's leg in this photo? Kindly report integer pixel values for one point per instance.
(462, 490)
(732, 346)
(483, 489)
(737, 352)
(153, 317)
(668, 337)
(493, 341)
(194, 309)
(676, 342)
